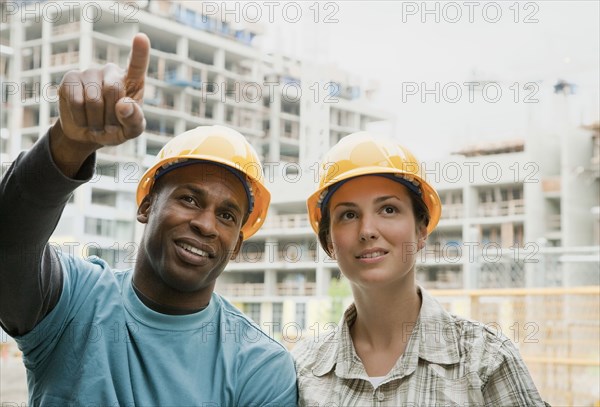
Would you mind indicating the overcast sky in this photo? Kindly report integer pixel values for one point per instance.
(511, 44)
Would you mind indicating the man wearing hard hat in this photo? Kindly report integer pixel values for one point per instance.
(157, 334)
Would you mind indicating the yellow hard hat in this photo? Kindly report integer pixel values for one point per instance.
(363, 154)
(217, 145)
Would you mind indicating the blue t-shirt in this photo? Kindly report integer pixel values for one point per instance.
(101, 346)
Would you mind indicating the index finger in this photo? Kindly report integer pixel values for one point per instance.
(138, 65)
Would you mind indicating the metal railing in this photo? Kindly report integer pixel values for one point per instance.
(259, 289)
(293, 288)
(501, 208)
(74, 27)
(553, 222)
(452, 211)
(288, 254)
(287, 221)
(64, 58)
(242, 289)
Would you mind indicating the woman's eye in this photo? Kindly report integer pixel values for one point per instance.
(348, 215)
(389, 209)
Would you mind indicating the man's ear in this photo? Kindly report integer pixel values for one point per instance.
(144, 209)
(238, 246)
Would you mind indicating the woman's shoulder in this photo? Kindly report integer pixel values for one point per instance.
(448, 337)
(464, 331)
(478, 336)
(313, 352)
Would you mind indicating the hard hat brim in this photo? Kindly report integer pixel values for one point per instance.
(262, 196)
(429, 194)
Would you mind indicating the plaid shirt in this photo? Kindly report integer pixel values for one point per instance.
(448, 361)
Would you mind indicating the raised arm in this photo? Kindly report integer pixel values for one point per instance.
(97, 107)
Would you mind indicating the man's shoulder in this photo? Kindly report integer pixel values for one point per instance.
(88, 263)
(89, 270)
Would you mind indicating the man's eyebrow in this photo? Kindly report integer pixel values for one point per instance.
(229, 204)
(192, 188)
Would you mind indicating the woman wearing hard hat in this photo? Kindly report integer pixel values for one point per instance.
(395, 345)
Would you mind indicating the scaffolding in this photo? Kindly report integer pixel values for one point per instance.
(556, 329)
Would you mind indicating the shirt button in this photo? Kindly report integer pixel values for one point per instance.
(380, 396)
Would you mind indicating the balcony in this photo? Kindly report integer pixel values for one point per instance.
(551, 186)
(440, 279)
(64, 58)
(296, 288)
(259, 289)
(242, 289)
(292, 135)
(452, 211)
(287, 222)
(553, 222)
(450, 252)
(502, 208)
(199, 21)
(345, 92)
(289, 158)
(297, 255)
(289, 80)
(73, 27)
(173, 78)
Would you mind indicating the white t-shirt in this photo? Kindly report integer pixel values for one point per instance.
(376, 380)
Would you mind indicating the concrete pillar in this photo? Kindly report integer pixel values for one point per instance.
(45, 76)
(323, 277)
(184, 73)
(17, 36)
(471, 237)
(274, 125)
(270, 282)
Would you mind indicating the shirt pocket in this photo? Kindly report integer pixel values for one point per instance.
(313, 391)
(442, 388)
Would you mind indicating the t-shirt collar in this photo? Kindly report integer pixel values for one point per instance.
(154, 319)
